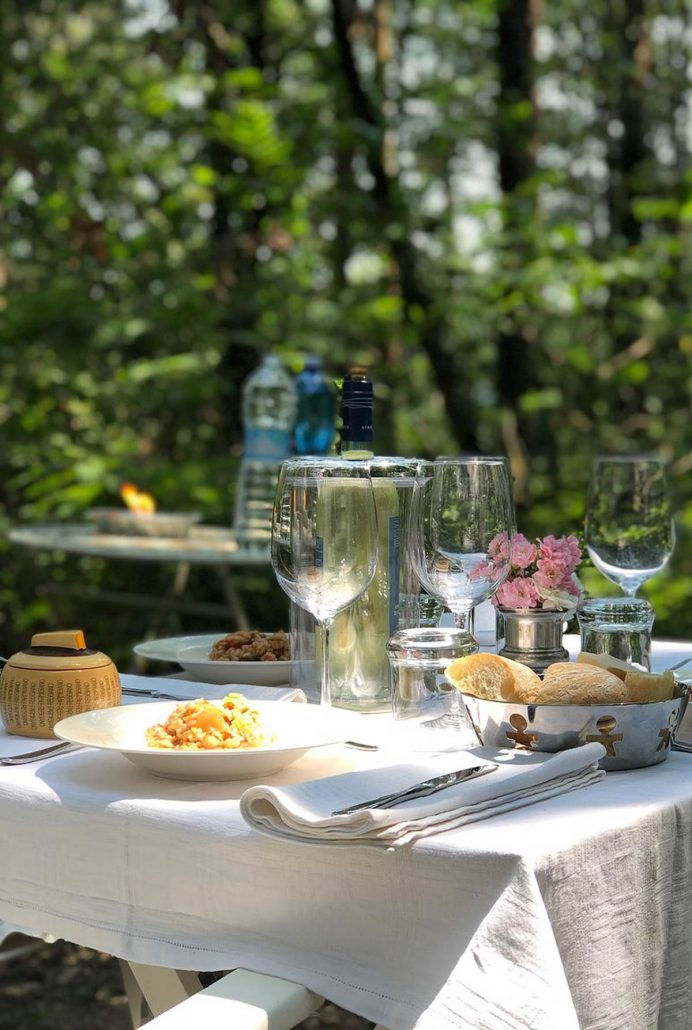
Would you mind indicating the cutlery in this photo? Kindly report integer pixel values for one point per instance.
(62, 748)
(419, 790)
(161, 695)
(679, 665)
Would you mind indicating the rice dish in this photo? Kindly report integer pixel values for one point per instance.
(202, 725)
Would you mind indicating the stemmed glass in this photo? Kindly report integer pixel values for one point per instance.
(324, 540)
(629, 528)
(464, 518)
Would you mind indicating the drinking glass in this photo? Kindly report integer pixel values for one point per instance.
(324, 540)
(464, 519)
(629, 529)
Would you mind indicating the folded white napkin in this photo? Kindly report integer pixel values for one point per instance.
(185, 689)
(304, 811)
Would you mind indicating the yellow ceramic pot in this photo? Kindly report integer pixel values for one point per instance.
(57, 676)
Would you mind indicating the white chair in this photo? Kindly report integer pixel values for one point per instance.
(241, 1000)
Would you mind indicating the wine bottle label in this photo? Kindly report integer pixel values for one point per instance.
(393, 572)
(270, 445)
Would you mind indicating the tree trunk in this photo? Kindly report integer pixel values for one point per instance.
(420, 305)
(516, 141)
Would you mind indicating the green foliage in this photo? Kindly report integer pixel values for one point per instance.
(186, 186)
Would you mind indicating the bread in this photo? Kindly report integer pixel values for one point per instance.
(483, 675)
(584, 682)
(605, 661)
(491, 677)
(642, 687)
(648, 686)
(572, 683)
(526, 681)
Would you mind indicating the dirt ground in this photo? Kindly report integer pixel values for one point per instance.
(64, 987)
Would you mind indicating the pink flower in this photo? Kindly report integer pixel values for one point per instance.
(565, 550)
(551, 573)
(541, 574)
(484, 570)
(518, 593)
(523, 551)
(498, 548)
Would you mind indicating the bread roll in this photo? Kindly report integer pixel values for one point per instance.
(649, 686)
(484, 675)
(571, 683)
(606, 661)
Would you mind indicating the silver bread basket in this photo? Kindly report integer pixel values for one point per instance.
(634, 735)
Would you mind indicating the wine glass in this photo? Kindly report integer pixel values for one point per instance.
(324, 540)
(629, 528)
(464, 521)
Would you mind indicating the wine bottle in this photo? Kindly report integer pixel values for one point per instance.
(359, 666)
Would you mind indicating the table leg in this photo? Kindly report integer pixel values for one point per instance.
(233, 598)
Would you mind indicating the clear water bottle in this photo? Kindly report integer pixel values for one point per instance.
(314, 430)
(269, 411)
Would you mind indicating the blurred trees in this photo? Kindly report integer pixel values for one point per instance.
(486, 203)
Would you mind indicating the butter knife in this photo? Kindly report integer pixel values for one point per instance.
(420, 790)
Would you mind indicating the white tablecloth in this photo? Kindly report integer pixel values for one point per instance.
(575, 912)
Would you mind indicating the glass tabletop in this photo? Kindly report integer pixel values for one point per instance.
(205, 544)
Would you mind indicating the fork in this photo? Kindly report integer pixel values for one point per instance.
(62, 748)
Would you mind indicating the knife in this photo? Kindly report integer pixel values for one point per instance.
(420, 790)
(159, 694)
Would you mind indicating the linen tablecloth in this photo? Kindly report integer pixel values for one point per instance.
(574, 912)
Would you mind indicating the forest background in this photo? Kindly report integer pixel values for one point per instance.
(487, 203)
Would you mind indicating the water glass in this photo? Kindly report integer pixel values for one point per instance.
(427, 708)
(618, 626)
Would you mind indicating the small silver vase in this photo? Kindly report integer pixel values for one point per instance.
(533, 636)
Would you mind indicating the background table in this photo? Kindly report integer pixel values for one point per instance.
(575, 912)
(214, 546)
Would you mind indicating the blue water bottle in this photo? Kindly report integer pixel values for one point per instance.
(314, 426)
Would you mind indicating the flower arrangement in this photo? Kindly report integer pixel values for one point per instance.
(542, 574)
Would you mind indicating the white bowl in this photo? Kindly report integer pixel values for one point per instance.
(296, 728)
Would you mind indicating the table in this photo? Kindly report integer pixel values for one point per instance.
(214, 546)
(572, 913)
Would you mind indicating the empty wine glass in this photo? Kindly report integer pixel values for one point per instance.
(465, 518)
(324, 540)
(629, 529)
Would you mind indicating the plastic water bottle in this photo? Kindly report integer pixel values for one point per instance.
(314, 430)
(269, 411)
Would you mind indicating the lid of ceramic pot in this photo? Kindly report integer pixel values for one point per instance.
(56, 651)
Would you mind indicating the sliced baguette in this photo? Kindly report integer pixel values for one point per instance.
(606, 661)
(525, 682)
(650, 686)
(484, 675)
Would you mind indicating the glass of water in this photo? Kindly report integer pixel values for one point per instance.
(424, 704)
(618, 626)
(629, 529)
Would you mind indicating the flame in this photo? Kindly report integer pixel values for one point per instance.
(138, 502)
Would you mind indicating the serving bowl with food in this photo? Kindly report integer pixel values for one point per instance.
(634, 714)
(201, 739)
(246, 656)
